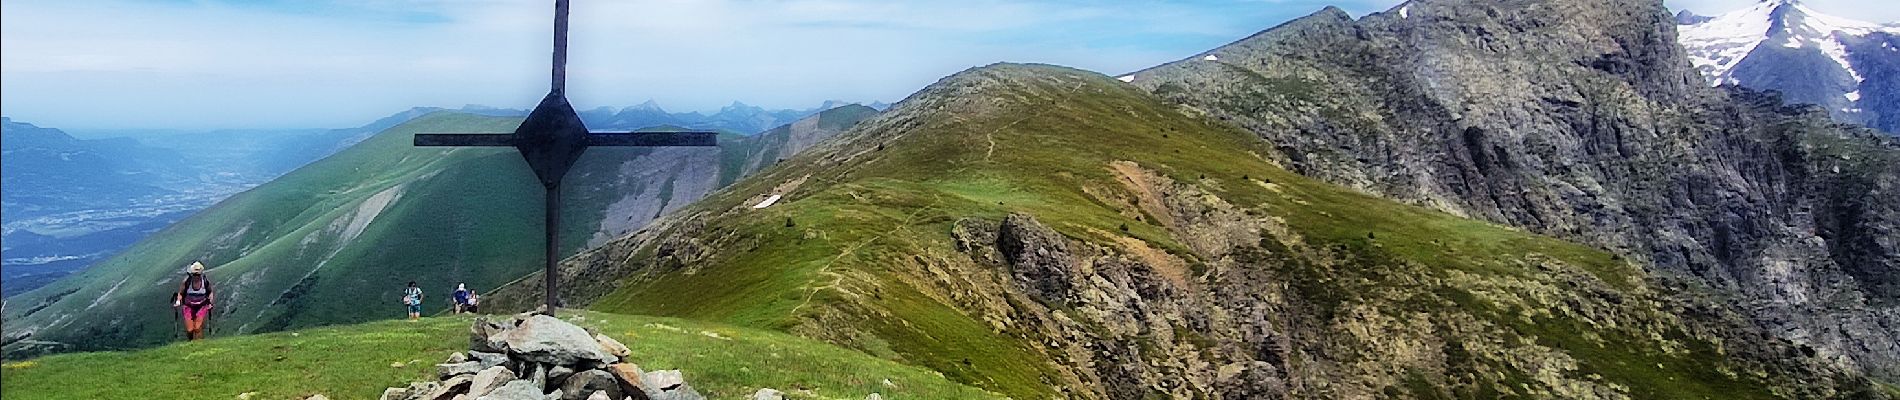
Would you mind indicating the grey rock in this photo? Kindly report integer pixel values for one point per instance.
(538, 375)
(489, 379)
(613, 346)
(630, 378)
(519, 389)
(874, 396)
(482, 335)
(591, 381)
(668, 385)
(681, 393)
(489, 359)
(450, 387)
(546, 339)
(559, 373)
(443, 371)
(421, 390)
(768, 394)
(394, 393)
(662, 380)
(456, 358)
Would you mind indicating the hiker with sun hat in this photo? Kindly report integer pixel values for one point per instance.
(193, 300)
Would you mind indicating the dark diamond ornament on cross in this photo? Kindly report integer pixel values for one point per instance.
(553, 137)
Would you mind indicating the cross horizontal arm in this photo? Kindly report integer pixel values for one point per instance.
(464, 139)
(653, 139)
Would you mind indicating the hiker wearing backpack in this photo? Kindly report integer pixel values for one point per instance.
(193, 300)
(412, 297)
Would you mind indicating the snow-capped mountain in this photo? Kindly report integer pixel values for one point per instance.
(1850, 67)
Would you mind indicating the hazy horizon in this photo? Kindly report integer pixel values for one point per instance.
(281, 64)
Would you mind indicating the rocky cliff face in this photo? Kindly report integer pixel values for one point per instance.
(1582, 119)
(641, 185)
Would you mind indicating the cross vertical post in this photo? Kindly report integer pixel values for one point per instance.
(552, 222)
(551, 139)
(560, 48)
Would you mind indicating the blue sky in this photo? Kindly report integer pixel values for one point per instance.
(200, 64)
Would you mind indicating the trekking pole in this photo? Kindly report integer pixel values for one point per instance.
(179, 320)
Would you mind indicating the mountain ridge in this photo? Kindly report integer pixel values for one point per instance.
(994, 228)
(1582, 120)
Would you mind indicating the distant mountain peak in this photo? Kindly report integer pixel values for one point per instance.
(649, 105)
(830, 104)
(1686, 17)
(1717, 44)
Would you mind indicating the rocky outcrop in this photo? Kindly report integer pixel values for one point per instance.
(1582, 119)
(1039, 258)
(539, 357)
(1266, 315)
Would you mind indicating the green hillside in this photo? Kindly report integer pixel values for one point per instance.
(1041, 231)
(335, 241)
(358, 361)
(308, 248)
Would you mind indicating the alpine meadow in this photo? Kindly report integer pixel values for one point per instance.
(1439, 199)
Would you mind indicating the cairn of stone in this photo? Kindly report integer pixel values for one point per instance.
(538, 357)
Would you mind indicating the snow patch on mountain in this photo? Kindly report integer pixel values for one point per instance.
(1843, 65)
(1718, 44)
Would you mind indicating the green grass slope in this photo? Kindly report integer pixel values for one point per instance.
(358, 361)
(334, 242)
(1365, 297)
(317, 245)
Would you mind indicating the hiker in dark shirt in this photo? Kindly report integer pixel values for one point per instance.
(461, 298)
(193, 300)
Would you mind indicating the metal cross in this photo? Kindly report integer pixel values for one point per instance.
(553, 137)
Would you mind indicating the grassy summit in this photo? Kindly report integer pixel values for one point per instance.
(358, 361)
